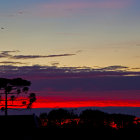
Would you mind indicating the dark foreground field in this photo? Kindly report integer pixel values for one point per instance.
(87, 134)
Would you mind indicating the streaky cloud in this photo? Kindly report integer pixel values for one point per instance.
(116, 67)
(11, 62)
(7, 54)
(38, 56)
(48, 72)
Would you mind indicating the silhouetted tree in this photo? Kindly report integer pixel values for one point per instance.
(15, 87)
(43, 119)
(12, 98)
(92, 119)
(56, 117)
(32, 98)
(123, 121)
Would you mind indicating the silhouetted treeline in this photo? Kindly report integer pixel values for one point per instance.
(95, 119)
(95, 123)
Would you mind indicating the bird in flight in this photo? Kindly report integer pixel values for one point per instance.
(2, 28)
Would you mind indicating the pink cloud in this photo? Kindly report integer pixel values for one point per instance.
(83, 5)
(69, 8)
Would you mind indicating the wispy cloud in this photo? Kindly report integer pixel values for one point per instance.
(7, 54)
(15, 13)
(116, 67)
(54, 63)
(138, 44)
(68, 34)
(11, 62)
(38, 56)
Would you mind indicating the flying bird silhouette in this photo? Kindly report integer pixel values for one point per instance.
(2, 28)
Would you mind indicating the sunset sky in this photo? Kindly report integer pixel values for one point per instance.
(75, 52)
